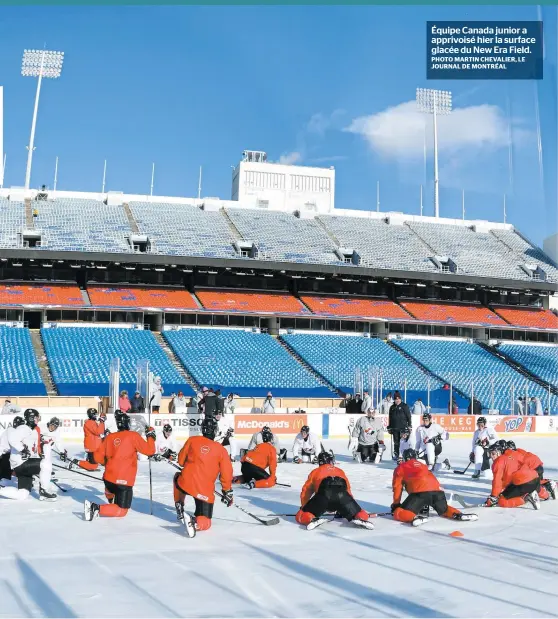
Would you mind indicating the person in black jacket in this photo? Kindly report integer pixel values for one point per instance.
(399, 420)
(137, 403)
(219, 403)
(210, 403)
(353, 406)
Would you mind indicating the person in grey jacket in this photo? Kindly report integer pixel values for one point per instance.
(366, 402)
(268, 405)
(367, 440)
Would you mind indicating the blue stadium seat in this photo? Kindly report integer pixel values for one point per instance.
(542, 361)
(249, 364)
(19, 371)
(80, 357)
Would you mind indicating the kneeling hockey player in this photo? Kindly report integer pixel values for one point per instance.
(429, 438)
(203, 460)
(548, 487)
(5, 466)
(257, 438)
(407, 442)
(424, 491)
(306, 446)
(327, 489)
(225, 434)
(482, 439)
(256, 461)
(165, 445)
(368, 438)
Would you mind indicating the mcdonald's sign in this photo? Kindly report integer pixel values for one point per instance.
(278, 424)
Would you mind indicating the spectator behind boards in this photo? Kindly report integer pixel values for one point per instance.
(156, 394)
(268, 405)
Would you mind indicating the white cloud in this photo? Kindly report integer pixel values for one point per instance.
(399, 131)
(290, 158)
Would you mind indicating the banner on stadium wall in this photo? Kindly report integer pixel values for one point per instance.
(507, 424)
(453, 423)
(278, 424)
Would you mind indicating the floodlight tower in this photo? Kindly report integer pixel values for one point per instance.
(434, 102)
(39, 63)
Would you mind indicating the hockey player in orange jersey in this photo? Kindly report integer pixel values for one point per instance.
(547, 489)
(119, 455)
(514, 483)
(203, 460)
(327, 489)
(424, 491)
(254, 463)
(93, 434)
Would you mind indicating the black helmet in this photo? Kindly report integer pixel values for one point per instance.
(410, 454)
(122, 421)
(167, 428)
(481, 420)
(406, 431)
(305, 429)
(209, 427)
(54, 422)
(92, 413)
(267, 435)
(18, 421)
(326, 457)
(496, 448)
(31, 415)
(503, 444)
(427, 417)
(511, 445)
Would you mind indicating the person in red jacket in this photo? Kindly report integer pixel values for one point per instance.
(119, 455)
(93, 434)
(548, 487)
(327, 489)
(424, 491)
(256, 461)
(514, 483)
(202, 460)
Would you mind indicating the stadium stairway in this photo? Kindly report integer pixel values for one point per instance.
(42, 361)
(85, 297)
(131, 220)
(321, 379)
(518, 367)
(426, 370)
(234, 230)
(328, 232)
(29, 222)
(175, 361)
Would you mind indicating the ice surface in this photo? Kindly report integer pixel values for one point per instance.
(53, 564)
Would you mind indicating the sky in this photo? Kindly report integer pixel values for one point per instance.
(327, 86)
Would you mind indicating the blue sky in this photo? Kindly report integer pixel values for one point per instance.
(190, 86)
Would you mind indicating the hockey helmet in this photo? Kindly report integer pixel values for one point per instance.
(427, 417)
(54, 422)
(406, 432)
(481, 420)
(92, 413)
(305, 429)
(511, 445)
(267, 435)
(167, 428)
(326, 457)
(495, 449)
(31, 416)
(18, 421)
(122, 421)
(209, 428)
(410, 454)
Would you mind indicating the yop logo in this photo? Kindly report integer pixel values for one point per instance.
(512, 425)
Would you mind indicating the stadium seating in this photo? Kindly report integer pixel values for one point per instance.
(12, 222)
(540, 360)
(69, 224)
(19, 371)
(184, 229)
(51, 294)
(80, 357)
(247, 302)
(284, 237)
(528, 318)
(461, 362)
(247, 363)
(164, 298)
(355, 307)
(452, 313)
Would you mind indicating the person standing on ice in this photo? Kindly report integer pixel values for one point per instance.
(423, 492)
(483, 438)
(399, 419)
(327, 489)
(429, 438)
(119, 455)
(367, 439)
(306, 446)
(202, 461)
(255, 462)
(26, 462)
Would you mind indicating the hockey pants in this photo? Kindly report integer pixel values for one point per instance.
(25, 473)
(416, 502)
(262, 478)
(204, 509)
(513, 495)
(119, 499)
(332, 496)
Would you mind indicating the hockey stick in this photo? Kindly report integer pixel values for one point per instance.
(464, 471)
(76, 471)
(461, 501)
(370, 515)
(58, 486)
(150, 478)
(266, 522)
(284, 485)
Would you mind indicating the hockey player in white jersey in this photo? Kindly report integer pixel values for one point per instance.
(5, 466)
(429, 439)
(165, 444)
(225, 434)
(367, 441)
(408, 441)
(306, 446)
(483, 438)
(26, 462)
(257, 439)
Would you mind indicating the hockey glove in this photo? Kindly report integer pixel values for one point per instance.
(436, 440)
(394, 506)
(353, 446)
(472, 457)
(156, 457)
(227, 498)
(25, 453)
(103, 417)
(297, 460)
(150, 432)
(491, 501)
(64, 455)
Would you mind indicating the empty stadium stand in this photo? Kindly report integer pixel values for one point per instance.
(243, 362)
(355, 307)
(461, 362)
(527, 252)
(250, 302)
(80, 357)
(529, 318)
(453, 313)
(163, 298)
(51, 294)
(19, 371)
(12, 222)
(542, 361)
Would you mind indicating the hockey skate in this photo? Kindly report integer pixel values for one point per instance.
(357, 457)
(365, 524)
(465, 517)
(551, 488)
(419, 520)
(316, 522)
(47, 496)
(190, 525)
(447, 465)
(179, 511)
(476, 474)
(90, 510)
(249, 485)
(533, 499)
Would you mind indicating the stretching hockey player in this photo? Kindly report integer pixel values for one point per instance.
(51, 440)
(513, 482)
(225, 434)
(306, 446)
(25, 461)
(5, 451)
(257, 438)
(531, 460)
(203, 460)
(429, 438)
(407, 442)
(424, 491)
(327, 489)
(255, 462)
(165, 445)
(368, 438)
(93, 434)
(119, 455)
(482, 439)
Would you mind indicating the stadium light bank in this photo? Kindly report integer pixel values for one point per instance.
(435, 102)
(38, 63)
